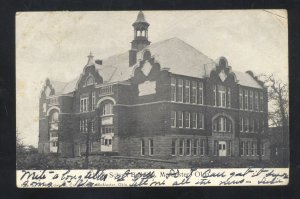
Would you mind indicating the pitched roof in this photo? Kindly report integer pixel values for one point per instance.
(245, 79)
(175, 54)
(64, 87)
(180, 57)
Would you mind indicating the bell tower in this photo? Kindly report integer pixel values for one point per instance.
(140, 40)
(140, 26)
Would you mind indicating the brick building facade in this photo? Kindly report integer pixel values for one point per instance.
(160, 100)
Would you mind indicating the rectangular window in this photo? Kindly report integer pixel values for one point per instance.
(222, 124)
(80, 126)
(83, 125)
(229, 148)
(256, 147)
(256, 101)
(107, 129)
(181, 147)
(200, 98)
(215, 125)
(180, 90)
(251, 125)
(216, 151)
(261, 101)
(200, 121)
(92, 126)
(54, 134)
(105, 90)
(173, 147)
(228, 97)
(262, 126)
(255, 126)
(53, 101)
(173, 89)
(246, 149)
(86, 126)
(253, 148)
(180, 119)
(173, 119)
(194, 121)
(251, 100)
(242, 148)
(187, 91)
(84, 104)
(241, 98)
(202, 147)
(229, 126)
(262, 148)
(241, 124)
(142, 147)
(195, 147)
(107, 142)
(194, 93)
(249, 147)
(188, 147)
(221, 96)
(151, 147)
(246, 124)
(187, 119)
(214, 95)
(246, 100)
(93, 100)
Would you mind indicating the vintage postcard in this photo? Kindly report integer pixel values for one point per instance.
(152, 98)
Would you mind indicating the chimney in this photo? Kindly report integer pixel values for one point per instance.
(99, 61)
(132, 57)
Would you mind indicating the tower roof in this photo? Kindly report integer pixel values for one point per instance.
(140, 18)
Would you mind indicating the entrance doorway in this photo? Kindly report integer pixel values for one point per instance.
(222, 148)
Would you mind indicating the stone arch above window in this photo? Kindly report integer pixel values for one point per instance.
(106, 99)
(50, 110)
(222, 123)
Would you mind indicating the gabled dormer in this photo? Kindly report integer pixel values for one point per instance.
(222, 73)
(89, 76)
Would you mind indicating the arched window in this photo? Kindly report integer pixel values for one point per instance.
(90, 80)
(107, 108)
(222, 124)
(53, 120)
(54, 117)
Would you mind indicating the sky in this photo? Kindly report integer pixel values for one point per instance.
(55, 45)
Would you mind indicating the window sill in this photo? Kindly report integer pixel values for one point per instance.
(110, 115)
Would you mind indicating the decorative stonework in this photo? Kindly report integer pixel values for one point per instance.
(47, 91)
(222, 75)
(146, 68)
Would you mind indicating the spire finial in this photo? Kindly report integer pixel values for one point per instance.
(90, 59)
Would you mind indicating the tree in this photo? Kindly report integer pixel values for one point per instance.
(278, 98)
(20, 147)
(279, 109)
